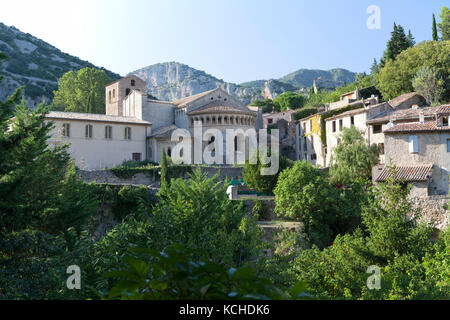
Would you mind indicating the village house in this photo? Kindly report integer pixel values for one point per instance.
(138, 128)
(285, 122)
(311, 141)
(420, 151)
(373, 134)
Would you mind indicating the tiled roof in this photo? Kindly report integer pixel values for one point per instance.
(407, 173)
(402, 98)
(94, 117)
(404, 114)
(221, 106)
(430, 126)
(265, 115)
(164, 132)
(182, 102)
(444, 109)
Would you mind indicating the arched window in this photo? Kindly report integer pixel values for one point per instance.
(169, 151)
(109, 96)
(114, 93)
(127, 91)
(235, 143)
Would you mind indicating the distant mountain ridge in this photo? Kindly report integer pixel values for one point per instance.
(36, 64)
(174, 80)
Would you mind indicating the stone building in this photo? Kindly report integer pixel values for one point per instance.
(421, 152)
(360, 118)
(138, 128)
(311, 145)
(285, 122)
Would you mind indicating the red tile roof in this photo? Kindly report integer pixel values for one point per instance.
(407, 173)
(428, 126)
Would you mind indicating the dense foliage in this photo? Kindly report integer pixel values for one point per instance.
(396, 77)
(82, 91)
(352, 158)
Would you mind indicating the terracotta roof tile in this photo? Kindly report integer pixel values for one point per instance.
(407, 173)
(430, 126)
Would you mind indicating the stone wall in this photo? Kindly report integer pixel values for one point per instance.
(432, 210)
(107, 176)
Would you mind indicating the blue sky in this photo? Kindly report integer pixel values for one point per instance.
(235, 40)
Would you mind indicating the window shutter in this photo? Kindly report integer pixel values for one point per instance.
(413, 144)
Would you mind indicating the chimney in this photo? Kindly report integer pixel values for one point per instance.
(421, 117)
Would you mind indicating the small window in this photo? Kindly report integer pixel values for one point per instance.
(169, 152)
(313, 157)
(109, 96)
(127, 91)
(108, 132)
(445, 121)
(377, 128)
(334, 126)
(413, 144)
(341, 124)
(381, 148)
(114, 93)
(137, 156)
(133, 83)
(235, 143)
(88, 131)
(269, 120)
(66, 130)
(352, 120)
(127, 133)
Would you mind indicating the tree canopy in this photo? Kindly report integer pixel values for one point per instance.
(395, 78)
(81, 91)
(352, 158)
(289, 100)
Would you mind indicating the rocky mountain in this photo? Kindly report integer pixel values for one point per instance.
(38, 66)
(173, 80)
(35, 64)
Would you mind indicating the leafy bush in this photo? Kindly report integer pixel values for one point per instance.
(172, 274)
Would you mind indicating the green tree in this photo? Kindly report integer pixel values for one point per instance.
(429, 83)
(395, 78)
(435, 32)
(262, 183)
(82, 91)
(40, 200)
(164, 179)
(303, 193)
(398, 42)
(267, 105)
(444, 25)
(289, 100)
(352, 158)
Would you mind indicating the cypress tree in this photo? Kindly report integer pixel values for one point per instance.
(435, 32)
(163, 179)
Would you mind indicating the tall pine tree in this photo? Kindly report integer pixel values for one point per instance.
(398, 42)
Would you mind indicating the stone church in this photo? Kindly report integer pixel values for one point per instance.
(138, 128)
